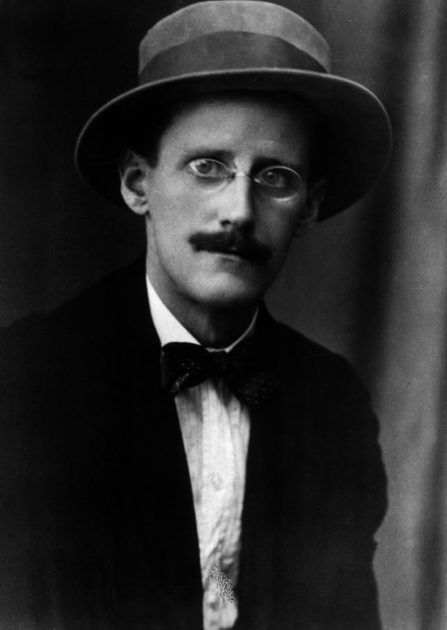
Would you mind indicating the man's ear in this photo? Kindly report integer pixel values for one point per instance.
(133, 170)
(315, 197)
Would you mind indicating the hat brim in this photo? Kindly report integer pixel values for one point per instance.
(358, 127)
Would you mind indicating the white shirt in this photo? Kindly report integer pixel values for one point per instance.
(215, 427)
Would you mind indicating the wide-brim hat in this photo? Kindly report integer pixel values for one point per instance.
(224, 45)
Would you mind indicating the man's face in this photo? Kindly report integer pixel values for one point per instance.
(222, 245)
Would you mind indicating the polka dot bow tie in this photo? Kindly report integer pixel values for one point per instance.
(245, 370)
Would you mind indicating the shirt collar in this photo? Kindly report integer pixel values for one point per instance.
(169, 329)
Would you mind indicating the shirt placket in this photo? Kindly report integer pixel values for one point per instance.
(218, 473)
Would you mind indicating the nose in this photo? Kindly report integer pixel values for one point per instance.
(236, 204)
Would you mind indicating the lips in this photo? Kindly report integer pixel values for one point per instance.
(232, 243)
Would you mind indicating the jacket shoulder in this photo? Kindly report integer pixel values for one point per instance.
(42, 342)
(302, 354)
(93, 301)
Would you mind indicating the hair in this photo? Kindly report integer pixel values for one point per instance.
(145, 139)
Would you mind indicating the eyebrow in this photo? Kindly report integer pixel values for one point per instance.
(207, 151)
(299, 167)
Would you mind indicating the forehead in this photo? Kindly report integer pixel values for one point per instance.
(242, 123)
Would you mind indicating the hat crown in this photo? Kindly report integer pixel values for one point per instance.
(236, 16)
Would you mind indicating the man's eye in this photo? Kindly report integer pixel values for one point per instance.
(207, 168)
(275, 177)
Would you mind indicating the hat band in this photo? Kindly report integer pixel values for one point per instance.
(228, 50)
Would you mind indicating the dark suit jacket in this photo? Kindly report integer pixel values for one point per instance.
(97, 526)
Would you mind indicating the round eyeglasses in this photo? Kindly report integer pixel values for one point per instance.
(278, 183)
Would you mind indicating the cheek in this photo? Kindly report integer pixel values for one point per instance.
(173, 209)
(279, 231)
(166, 238)
(164, 217)
(171, 221)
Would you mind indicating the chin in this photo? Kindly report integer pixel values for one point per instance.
(229, 294)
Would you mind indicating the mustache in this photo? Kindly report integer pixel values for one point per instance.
(231, 242)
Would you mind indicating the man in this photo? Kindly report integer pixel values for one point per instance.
(179, 459)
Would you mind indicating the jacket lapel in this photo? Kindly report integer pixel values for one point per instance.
(279, 512)
(161, 561)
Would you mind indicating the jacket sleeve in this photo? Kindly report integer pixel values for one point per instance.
(355, 493)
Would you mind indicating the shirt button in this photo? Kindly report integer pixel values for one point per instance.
(213, 599)
(216, 481)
